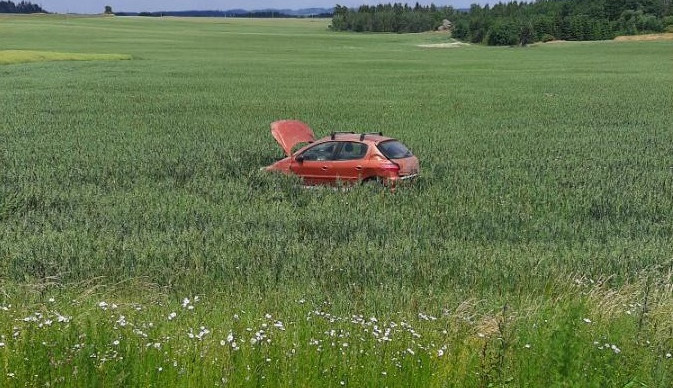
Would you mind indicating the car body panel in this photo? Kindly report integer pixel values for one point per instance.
(289, 133)
(313, 172)
(408, 166)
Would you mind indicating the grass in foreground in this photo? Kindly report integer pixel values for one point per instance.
(592, 334)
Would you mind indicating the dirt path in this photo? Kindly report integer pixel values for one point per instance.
(626, 38)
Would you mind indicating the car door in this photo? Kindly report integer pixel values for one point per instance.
(314, 164)
(348, 162)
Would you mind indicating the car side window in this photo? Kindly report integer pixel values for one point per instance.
(351, 151)
(324, 151)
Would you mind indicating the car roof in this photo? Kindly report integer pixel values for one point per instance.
(356, 137)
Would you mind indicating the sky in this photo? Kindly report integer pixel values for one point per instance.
(97, 6)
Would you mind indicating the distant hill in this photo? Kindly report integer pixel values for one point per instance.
(260, 13)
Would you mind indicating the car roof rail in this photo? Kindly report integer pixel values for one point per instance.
(362, 136)
(334, 133)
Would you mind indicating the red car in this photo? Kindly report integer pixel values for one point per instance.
(341, 156)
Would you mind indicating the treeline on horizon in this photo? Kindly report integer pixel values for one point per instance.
(240, 14)
(21, 7)
(515, 22)
(28, 7)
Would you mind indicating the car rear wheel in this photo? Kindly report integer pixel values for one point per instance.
(373, 181)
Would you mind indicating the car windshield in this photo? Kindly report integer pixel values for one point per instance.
(393, 149)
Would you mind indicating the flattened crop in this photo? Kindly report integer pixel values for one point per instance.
(8, 57)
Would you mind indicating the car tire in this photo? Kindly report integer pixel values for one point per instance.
(373, 181)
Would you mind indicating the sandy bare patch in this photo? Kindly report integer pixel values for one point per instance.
(646, 37)
(444, 45)
(8, 57)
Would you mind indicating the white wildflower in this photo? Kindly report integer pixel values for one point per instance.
(172, 316)
(586, 320)
(203, 332)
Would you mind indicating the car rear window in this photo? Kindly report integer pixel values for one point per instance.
(393, 149)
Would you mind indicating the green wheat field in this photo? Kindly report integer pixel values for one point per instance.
(141, 246)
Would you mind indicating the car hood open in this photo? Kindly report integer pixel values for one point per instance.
(289, 133)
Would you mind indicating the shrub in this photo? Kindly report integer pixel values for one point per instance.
(505, 34)
(461, 30)
(668, 21)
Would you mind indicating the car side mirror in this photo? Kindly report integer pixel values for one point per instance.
(299, 158)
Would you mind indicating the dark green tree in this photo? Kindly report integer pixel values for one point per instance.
(22, 7)
(503, 34)
(526, 33)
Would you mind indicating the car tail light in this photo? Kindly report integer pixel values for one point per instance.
(392, 167)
